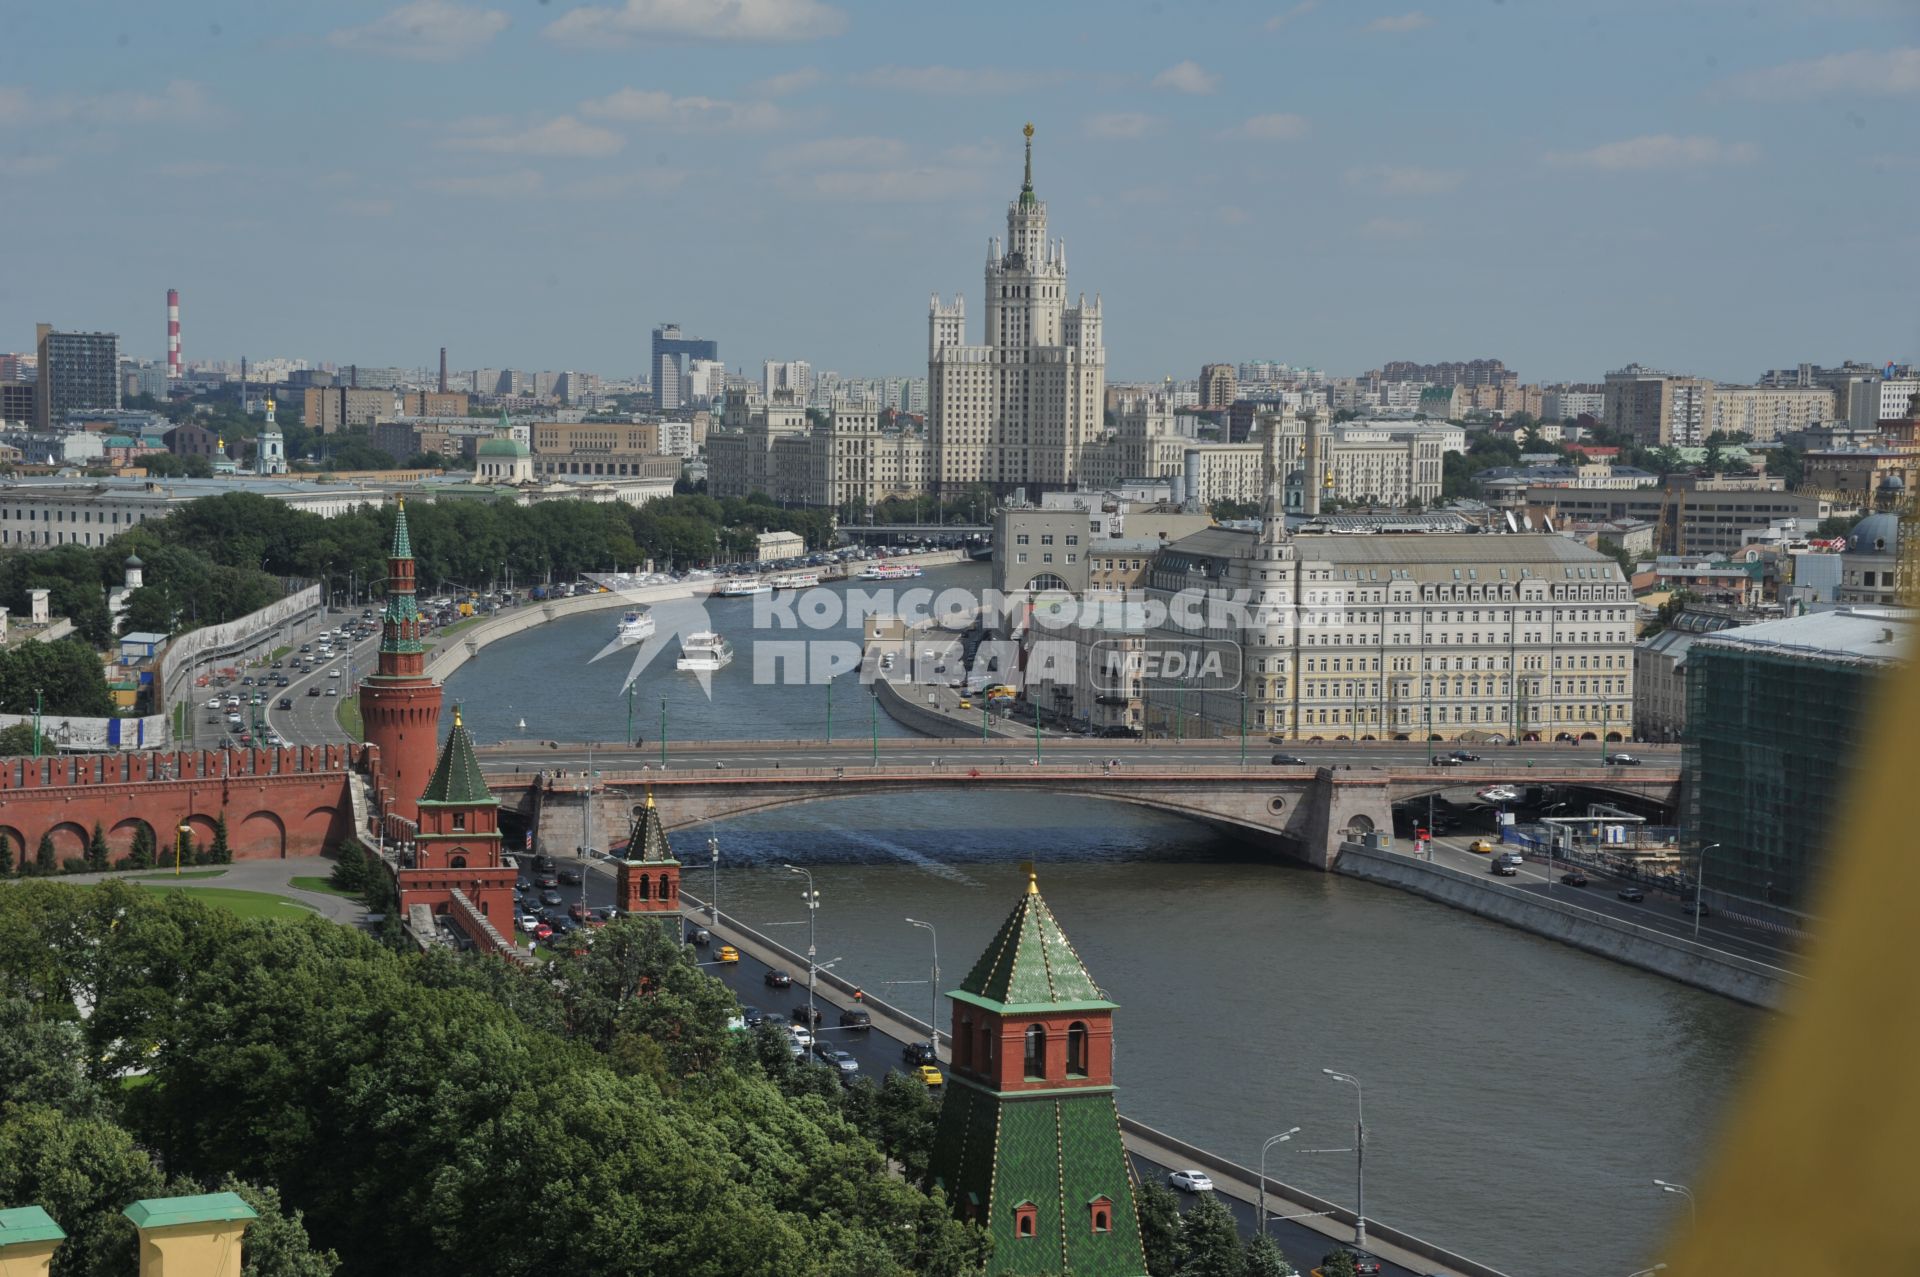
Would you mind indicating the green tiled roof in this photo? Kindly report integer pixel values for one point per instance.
(457, 780)
(205, 1208)
(1031, 962)
(402, 543)
(25, 1224)
(647, 838)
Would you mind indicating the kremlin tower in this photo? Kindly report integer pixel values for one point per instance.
(457, 848)
(1029, 1138)
(399, 704)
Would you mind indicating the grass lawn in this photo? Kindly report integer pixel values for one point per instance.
(185, 873)
(248, 904)
(457, 626)
(347, 714)
(322, 885)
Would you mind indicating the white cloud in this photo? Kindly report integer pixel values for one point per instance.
(956, 81)
(424, 31)
(1390, 228)
(654, 106)
(704, 21)
(515, 185)
(1390, 179)
(1121, 126)
(1187, 77)
(840, 152)
(1274, 128)
(180, 102)
(561, 136)
(1862, 72)
(1285, 16)
(778, 86)
(1398, 24)
(1657, 151)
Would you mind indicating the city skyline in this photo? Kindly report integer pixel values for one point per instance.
(1358, 182)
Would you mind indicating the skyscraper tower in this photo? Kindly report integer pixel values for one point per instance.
(173, 334)
(1029, 1137)
(399, 704)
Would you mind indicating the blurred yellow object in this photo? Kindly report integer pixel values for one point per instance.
(1816, 1171)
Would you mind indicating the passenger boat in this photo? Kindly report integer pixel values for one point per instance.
(795, 581)
(891, 572)
(743, 589)
(634, 627)
(704, 651)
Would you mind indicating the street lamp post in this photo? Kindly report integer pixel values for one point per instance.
(1693, 1212)
(1359, 1154)
(933, 1007)
(713, 902)
(873, 722)
(180, 837)
(829, 711)
(1281, 1138)
(812, 899)
(1700, 885)
(1243, 729)
(663, 731)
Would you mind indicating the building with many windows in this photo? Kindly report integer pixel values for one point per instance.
(839, 459)
(1396, 635)
(1019, 409)
(39, 512)
(77, 371)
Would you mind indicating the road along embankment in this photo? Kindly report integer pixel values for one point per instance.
(1332, 1221)
(1702, 966)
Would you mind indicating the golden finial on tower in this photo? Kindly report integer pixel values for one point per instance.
(1029, 129)
(649, 798)
(1033, 878)
(456, 718)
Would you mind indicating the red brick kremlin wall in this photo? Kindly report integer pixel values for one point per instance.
(278, 802)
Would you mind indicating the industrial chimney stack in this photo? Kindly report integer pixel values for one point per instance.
(173, 334)
(443, 370)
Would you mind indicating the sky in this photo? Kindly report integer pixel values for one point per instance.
(1710, 186)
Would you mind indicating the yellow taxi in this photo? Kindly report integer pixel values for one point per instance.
(1480, 846)
(930, 1075)
(727, 953)
(965, 703)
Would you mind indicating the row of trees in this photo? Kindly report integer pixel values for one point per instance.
(437, 1114)
(143, 853)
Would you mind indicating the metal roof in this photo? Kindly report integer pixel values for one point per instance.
(1882, 635)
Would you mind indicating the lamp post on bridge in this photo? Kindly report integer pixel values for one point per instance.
(663, 731)
(1359, 1155)
(1281, 1138)
(713, 902)
(1699, 887)
(812, 899)
(1693, 1211)
(933, 1009)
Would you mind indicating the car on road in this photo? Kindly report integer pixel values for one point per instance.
(314, 690)
(1574, 878)
(1691, 907)
(842, 1061)
(529, 921)
(550, 898)
(542, 931)
(286, 702)
(1191, 1181)
(1502, 866)
(570, 877)
(727, 953)
(799, 1015)
(1624, 760)
(1289, 760)
(1445, 760)
(1632, 895)
(1463, 756)
(700, 937)
(753, 1017)
(856, 1018)
(333, 691)
(546, 881)
(918, 1053)
(1364, 1264)
(801, 1035)
(1480, 847)
(929, 1076)
(778, 979)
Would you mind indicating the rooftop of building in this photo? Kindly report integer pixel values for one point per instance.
(1031, 965)
(1538, 552)
(171, 489)
(1877, 635)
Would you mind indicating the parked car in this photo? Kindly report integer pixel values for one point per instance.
(856, 1018)
(1574, 878)
(1632, 895)
(1191, 1181)
(777, 979)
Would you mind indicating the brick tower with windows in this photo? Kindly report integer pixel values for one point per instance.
(1029, 1139)
(458, 844)
(647, 877)
(399, 704)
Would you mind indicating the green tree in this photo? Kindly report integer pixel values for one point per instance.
(276, 1243)
(44, 856)
(1159, 1213)
(1265, 1260)
(188, 852)
(83, 1171)
(219, 853)
(1338, 1263)
(44, 1061)
(349, 866)
(140, 854)
(19, 740)
(97, 848)
(65, 675)
(6, 856)
(1210, 1241)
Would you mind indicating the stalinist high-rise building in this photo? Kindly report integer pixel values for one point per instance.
(1022, 408)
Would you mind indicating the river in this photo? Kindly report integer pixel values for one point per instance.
(1520, 1096)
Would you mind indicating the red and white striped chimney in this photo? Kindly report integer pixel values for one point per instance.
(173, 334)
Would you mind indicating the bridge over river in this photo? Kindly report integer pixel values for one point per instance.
(1304, 810)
